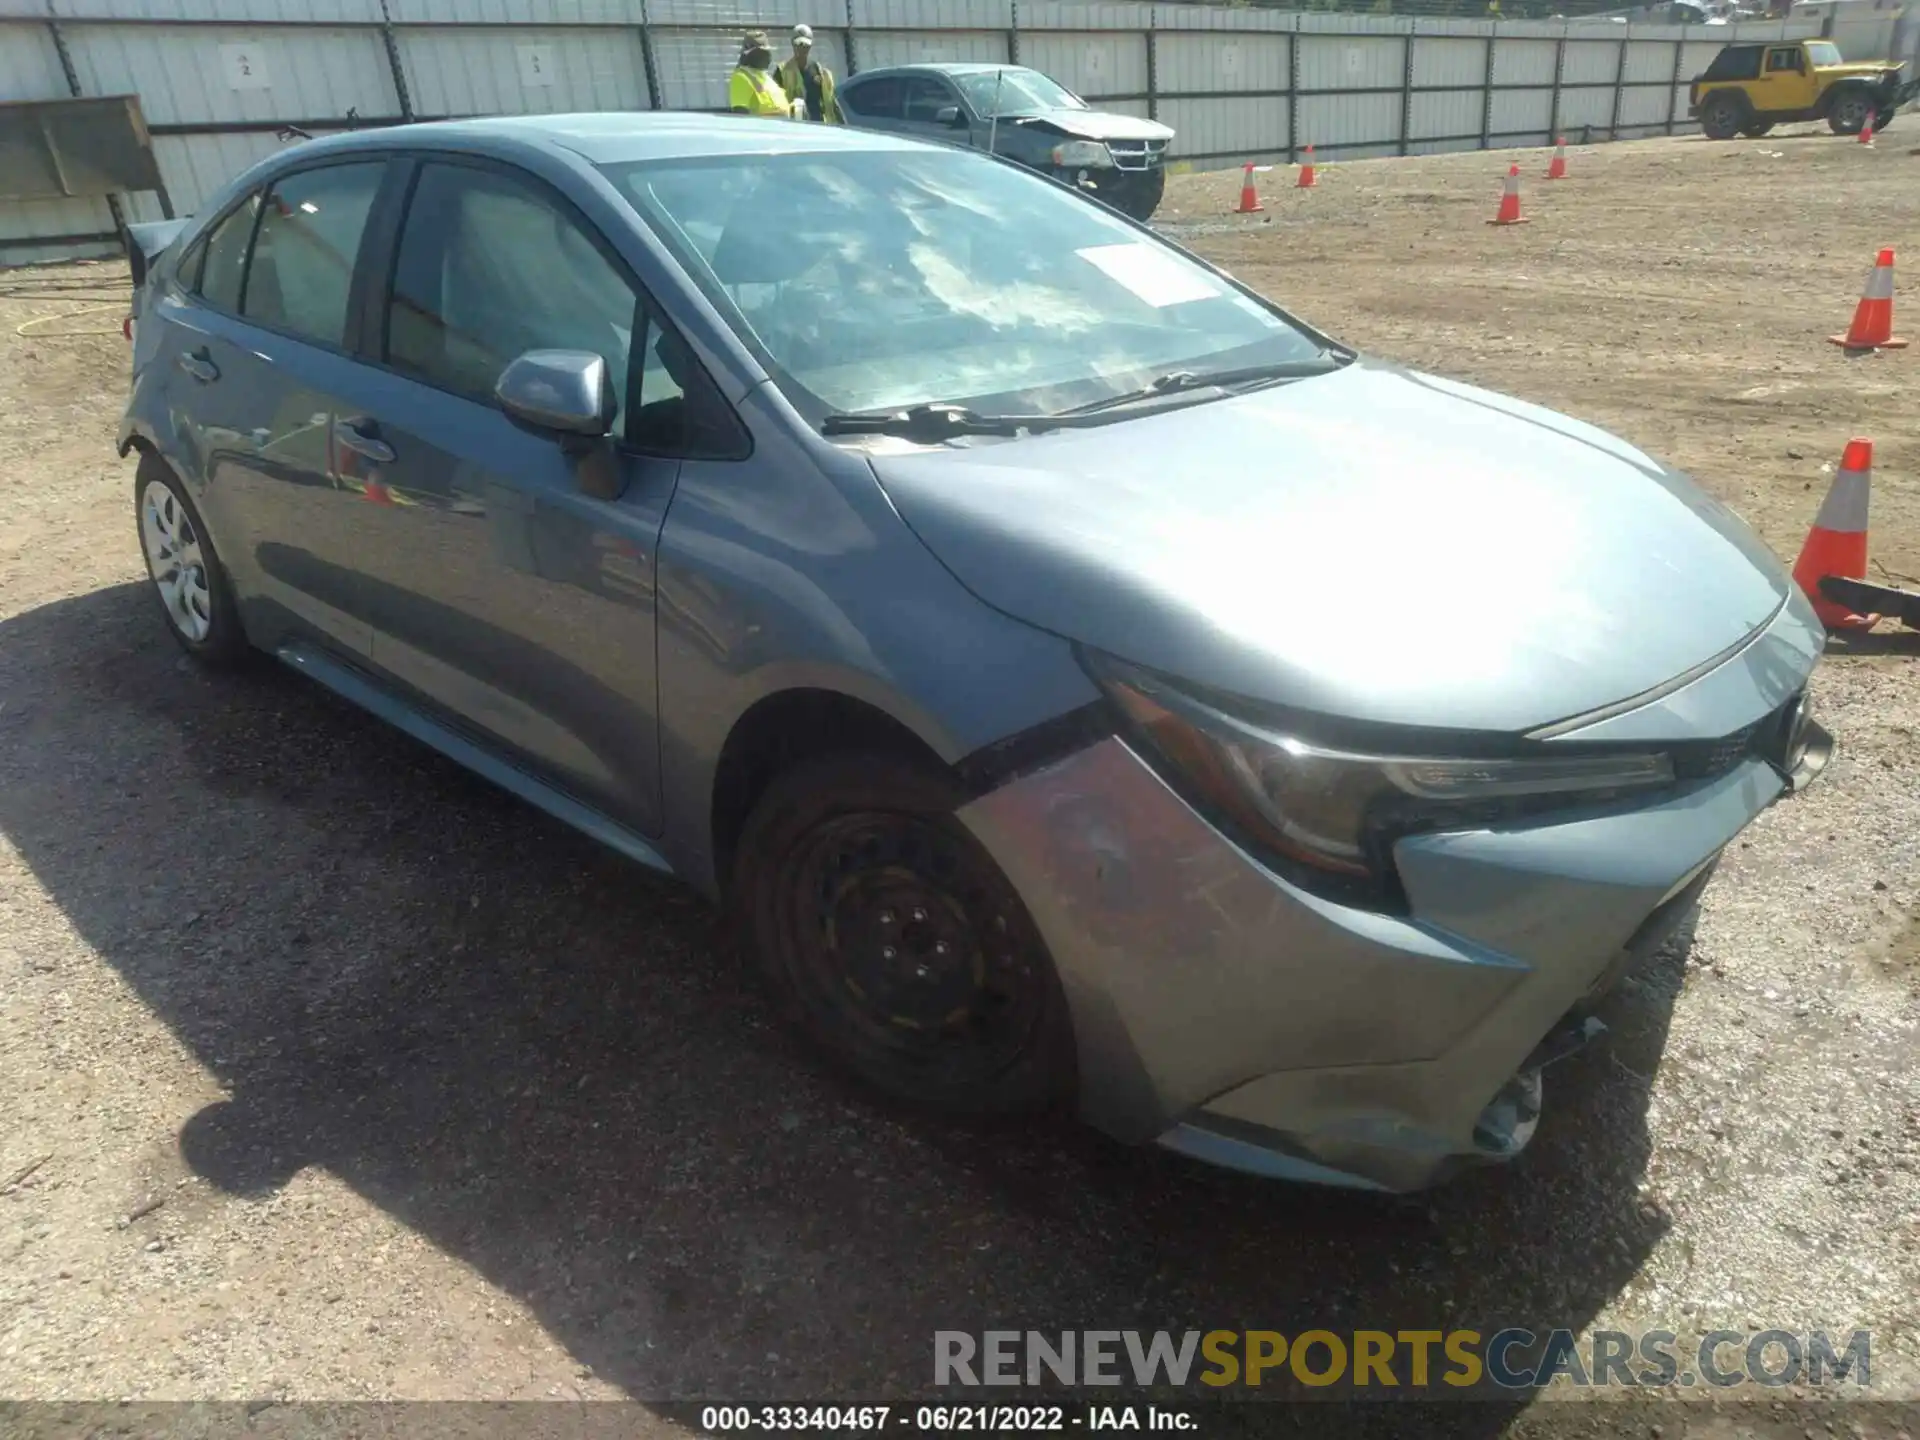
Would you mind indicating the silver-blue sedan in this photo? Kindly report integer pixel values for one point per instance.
(1082, 682)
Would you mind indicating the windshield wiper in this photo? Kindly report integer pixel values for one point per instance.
(930, 423)
(1175, 381)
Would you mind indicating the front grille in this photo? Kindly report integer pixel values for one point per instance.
(1136, 154)
(1768, 739)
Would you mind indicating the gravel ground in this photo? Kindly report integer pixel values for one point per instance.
(333, 1074)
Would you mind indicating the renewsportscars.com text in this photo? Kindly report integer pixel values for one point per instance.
(1437, 1361)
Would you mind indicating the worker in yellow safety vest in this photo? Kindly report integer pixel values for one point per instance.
(805, 79)
(752, 90)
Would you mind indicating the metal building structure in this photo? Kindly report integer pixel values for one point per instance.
(220, 80)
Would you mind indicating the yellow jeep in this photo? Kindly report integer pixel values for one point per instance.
(1755, 85)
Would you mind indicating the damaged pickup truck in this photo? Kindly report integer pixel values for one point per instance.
(1023, 115)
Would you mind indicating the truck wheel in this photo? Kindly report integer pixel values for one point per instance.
(893, 941)
(1882, 120)
(1756, 129)
(1849, 112)
(1722, 117)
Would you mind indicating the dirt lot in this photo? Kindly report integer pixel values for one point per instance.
(332, 1073)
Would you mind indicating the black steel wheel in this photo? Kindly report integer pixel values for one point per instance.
(894, 942)
(1723, 115)
(1850, 111)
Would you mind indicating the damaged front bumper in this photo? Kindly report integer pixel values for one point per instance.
(1234, 1017)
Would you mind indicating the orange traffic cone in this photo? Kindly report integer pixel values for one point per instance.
(1307, 181)
(1866, 132)
(1510, 201)
(1249, 198)
(1557, 167)
(1872, 327)
(1837, 543)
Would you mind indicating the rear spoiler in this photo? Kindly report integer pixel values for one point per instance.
(145, 244)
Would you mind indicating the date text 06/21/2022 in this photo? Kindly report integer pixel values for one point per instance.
(920, 1419)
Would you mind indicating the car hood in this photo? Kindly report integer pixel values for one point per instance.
(1093, 125)
(1373, 544)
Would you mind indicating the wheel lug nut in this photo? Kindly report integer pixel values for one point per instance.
(939, 947)
(887, 952)
(921, 971)
(919, 914)
(886, 917)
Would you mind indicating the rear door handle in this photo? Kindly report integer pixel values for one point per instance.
(199, 364)
(359, 437)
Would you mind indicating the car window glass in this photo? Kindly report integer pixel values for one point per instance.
(1783, 59)
(879, 98)
(303, 256)
(226, 259)
(924, 98)
(490, 267)
(876, 279)
(1015, 90)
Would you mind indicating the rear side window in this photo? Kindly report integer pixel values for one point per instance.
(1741, 63)
(878, 98)
(225, 271)
(303, 255)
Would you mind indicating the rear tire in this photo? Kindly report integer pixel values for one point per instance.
(1722, 117)
(189, 582)
(1849, 111)
(894, 943)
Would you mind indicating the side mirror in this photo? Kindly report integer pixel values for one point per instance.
(568, 394)
(950, 116)
(569, 391)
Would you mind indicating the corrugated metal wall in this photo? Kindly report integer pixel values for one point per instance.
(217, 79)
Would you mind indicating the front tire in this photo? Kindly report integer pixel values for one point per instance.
(894, 943)
(189, 582)
(1849, 112)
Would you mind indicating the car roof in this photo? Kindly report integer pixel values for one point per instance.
(936, 67)
(618, 137)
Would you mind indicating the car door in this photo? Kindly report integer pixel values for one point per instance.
(1785, 83)
(873, 102)
(926, 100)
(501, 594)
(262, 355)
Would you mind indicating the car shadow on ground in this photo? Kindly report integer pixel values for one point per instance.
(540, 1058)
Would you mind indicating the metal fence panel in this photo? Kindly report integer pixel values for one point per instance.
(227, 75)
(1649, 60)
(1591, 109)
(909, 47)
(1591, 62)
(1446, 61)
(932, 15)
(1522, 113)
(29, 64)
(242, 12)
(1526, 62)
(1351, 62)
(477, 70)
(1347, 122)
(1221, 62)
(1227, 131)
(1448, 113)
(516, 12)
(1086, 15)
(1645, 108)
(1091, 65)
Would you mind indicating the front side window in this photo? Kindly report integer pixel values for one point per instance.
(1017, 91)
(1823, 52)
(925, 97)
(1783, 59)
(491, 267)
(224, 270)
(303, 255)
(888, 278)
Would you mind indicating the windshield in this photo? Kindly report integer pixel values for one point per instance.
(1823, 52)
(1019, 92)
(881, 279)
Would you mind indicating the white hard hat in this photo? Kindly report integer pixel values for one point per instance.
(803, 32)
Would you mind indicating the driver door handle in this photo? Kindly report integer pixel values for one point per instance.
(360, 437)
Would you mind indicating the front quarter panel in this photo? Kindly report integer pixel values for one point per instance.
(791, 571)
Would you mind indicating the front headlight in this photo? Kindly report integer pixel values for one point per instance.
(1335, 813)
(1082, 155)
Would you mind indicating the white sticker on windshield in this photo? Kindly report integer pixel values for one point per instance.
(1158, 278)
